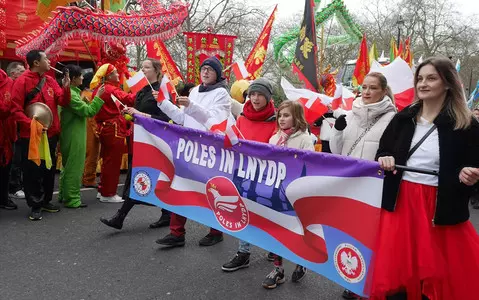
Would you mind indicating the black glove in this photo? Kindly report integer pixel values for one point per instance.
(340, 123)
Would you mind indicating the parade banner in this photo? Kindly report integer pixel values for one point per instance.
(318, 210)
(200, 46)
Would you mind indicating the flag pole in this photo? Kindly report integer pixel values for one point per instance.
(149, 83)
(470, 83)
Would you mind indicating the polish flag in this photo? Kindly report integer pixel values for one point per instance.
(240, 71)
(228, 128)
(166, 89)
(343, 98)
(118, 103)
(137, 82)
(315, 104)
(401, 80)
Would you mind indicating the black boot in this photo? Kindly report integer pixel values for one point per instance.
(116, 221)
(164, 221)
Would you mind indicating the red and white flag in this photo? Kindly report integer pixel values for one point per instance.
(137, 82)
(401, 80)
(343, 98)
(315, 104)
(167, 90)
(228, 128)
(240, 71)
(118, 103)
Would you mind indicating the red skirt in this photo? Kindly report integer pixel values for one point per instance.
(416, 256)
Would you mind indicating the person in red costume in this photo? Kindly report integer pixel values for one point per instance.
(31, 87)
(8, 135)
(112, 129)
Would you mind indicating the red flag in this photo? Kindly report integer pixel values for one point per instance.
(407, 56)
(362, 64)
(254, 62)
(400, 49)
(158, 50)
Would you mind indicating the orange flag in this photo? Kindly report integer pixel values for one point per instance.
(35, 138)
(254, 62)
(362, 64)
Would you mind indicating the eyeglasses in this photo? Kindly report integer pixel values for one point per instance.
(207, 69)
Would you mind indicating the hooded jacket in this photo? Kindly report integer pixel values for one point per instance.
(51, 95)
(257, 126)
(357, 121)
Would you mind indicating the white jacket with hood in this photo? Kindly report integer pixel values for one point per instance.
(357, 121)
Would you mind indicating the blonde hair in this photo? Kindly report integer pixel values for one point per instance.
(383, 83)
(297, 112)
(455, 103)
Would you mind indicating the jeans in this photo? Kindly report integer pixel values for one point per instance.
(244, 247)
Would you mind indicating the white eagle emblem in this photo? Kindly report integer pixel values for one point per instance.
(350, 263)
(226, 203)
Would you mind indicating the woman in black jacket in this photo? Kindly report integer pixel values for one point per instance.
(145, 103)
(427, 248)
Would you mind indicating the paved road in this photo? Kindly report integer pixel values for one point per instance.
(71, 255)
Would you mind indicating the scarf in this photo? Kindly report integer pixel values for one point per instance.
(260, 116)
(284, 136)
(208, 88)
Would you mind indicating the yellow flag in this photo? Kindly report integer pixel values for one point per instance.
(373, 53)
(45, 151)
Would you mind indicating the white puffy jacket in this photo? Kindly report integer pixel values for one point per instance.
(357, 121)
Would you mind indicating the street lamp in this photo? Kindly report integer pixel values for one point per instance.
(399, 23)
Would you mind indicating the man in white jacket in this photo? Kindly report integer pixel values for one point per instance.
(206, 103)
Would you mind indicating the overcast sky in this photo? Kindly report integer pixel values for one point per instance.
(288, 7)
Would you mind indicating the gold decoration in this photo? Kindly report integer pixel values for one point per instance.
(259, 55)
(306, 47)
(302, 33)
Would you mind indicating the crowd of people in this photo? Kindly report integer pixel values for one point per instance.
(426, 246)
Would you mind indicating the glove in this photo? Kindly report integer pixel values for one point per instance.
(340, 123)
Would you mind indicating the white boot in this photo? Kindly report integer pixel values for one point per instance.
(112, 199)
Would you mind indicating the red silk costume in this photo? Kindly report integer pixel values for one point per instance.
(112, 130)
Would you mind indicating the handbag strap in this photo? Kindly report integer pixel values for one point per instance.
(428, 133)
(356, 142)
(29, 97)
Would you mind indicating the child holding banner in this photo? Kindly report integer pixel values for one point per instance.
(256, 123)
(293, 133)
(427, 247)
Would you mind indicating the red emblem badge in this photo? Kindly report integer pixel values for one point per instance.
(349, 263)
(226, 203)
